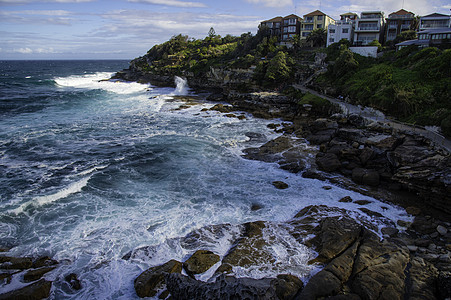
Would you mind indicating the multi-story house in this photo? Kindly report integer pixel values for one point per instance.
(291, 26)
(398, 22)
(435, 29)
(435, 21)
(315, 20)
(369, 27)
(274, 25)
(342, 29)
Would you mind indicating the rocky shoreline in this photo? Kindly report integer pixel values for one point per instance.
(355, 260)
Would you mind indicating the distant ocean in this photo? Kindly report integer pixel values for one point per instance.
(91, 169)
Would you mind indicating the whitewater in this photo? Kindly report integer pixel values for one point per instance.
(92, 169)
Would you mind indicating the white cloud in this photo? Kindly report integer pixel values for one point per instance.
(48, 1)
(23, 50)
(176, 3)
(272, 3)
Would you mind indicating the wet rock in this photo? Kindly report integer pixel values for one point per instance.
(328, 162)
(365, 155)
(37, 290)
(334, 236)
(256, 206)
(371, 213)
(44, 261)
(200, 262)
(33, 275)
(280, 185)
(389, 231)
(287, 286)
(73, 280)
(327, 187)
(421, 280)
(442, 230)
(365, 176)
(362, 202)
(321, 285)
(321, 137)
(149, 281)
(15, 263)
(345, 199)
(223, 108)
(225, 287)
(384, 142)
(444, 285)
(414, 211)
(269, 152)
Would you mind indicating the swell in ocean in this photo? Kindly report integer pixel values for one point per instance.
(92, 169)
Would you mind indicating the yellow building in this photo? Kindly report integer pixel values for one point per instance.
(314, 20)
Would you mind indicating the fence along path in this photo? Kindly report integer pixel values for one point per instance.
(377, 116)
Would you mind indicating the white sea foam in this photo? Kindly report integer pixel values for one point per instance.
(73, 188)
(100, 80)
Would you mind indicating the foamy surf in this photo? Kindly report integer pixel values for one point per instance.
(100, 80)
(39, 201)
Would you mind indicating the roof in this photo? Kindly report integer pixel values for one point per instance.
(292, 16)
(436, 31)
(276, 19)
(413, 42)
(436, 15)
(315, 13)
(401, 12)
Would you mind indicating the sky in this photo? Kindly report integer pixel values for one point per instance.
(125, 29)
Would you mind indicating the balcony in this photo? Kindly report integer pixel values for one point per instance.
(395, 26)
(368, 28)
(373, 16)
(405, 26)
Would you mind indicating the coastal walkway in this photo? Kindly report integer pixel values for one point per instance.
(374, 115)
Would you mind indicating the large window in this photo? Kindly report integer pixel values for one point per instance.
(292, 21)
(331, 30)
(319, 26)
(345, 30)
(319, 18)
(291, 28)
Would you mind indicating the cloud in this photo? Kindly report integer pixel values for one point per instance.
(176, 3)
(23, 50)
(54, 17)
(48, 1)
(272, 3)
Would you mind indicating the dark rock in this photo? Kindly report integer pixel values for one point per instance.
(328, 162)
(149, 281)
(321, 137)
(33, 275)
(414, 211)
(216, 97)
(256, 206)
(287, 286)
(37, 290)
(350, 134)
(334, 236)
(280, 185)
(321, 285)
(15, 263)
(384, 142)
(327, 187)
(444, 285)
(371, 213)
(345, 199)
(356, 120)
(365, 176)
(183, 287)
(223, 108)
(365, 155)
(44, 261)
(200, 261)
(73, 280)
(362, 202)
(390, 231)
(269, 152)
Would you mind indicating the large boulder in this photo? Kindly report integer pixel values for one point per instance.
(366, 176)
(328, 162)
(150, 281)
(35, 291)
(200, 262)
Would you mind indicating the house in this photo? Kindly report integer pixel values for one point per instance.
(398, 22)
(274, 25)
(369, 27)
(342, 29)
(291, 26)
(434, 30)
(434, 21)
(315, 20)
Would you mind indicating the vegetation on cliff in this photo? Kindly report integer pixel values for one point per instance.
(411, 85)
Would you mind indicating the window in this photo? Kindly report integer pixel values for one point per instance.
(291, 28)
(331, 40)
(285, 36)
(319, 26)
(308, 27)
(285, 29)
(304, 34)
(309, 19)
(292, 21)
(331, 30)
(319, 18)
(345, 30)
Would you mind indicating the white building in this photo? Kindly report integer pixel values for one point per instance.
(342, 29)
(369, 27)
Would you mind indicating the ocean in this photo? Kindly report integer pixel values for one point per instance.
(92, 169)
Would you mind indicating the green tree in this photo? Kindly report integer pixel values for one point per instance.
(377, 44)
(211, 32)
(405, 36)
(279, 68)
(318, 37)
(345, 63)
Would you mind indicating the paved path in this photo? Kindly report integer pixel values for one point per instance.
(374, 115)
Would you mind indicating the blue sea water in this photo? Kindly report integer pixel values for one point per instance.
(92, 169)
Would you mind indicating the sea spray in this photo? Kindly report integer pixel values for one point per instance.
(181, 86)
